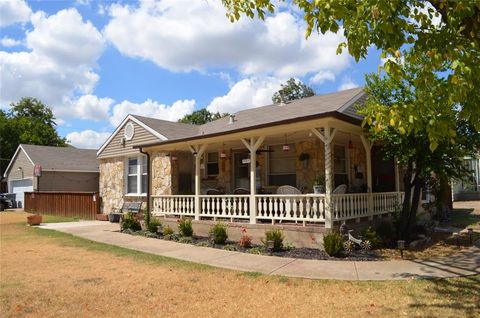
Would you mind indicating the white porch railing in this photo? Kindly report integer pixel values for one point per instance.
(294, 208)
(285, 207)
(225, 206)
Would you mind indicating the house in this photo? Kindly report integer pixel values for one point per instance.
(232, 168)
(468, 189)
(45, 168)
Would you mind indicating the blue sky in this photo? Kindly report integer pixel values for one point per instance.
(94, 62)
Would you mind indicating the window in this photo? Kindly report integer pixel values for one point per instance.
(129, 131)
(340, 165)
(137, 179)
(212, 164)
(281, 166)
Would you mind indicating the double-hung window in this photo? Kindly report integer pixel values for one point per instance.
(136, 174)
(281, 166)
(212, 164)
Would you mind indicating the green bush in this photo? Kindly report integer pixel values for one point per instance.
(146, 217)
(387, 231)
(277, 237)
(153, 225)
(333, 243)
(185, 228)
(186, 240)
(218, 233)
(231, 247)
(130, 223)
(167, 230)
(369, 234)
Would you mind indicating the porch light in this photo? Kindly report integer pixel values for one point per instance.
(286, 147)
(470, 234)
(350, 145)
(401, 246)
(223, 154)
(174, 157)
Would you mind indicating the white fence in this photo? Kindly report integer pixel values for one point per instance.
(277, 208)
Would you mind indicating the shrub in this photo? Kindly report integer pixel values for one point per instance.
(167, 230)
(387, 231)
(171, 237)
(153, 225)
(146, 217)
(256, 250)
(277, 237)
(245, 240)
(369, 234)
(230, 247)
(130, 223)
(185, 240)
(333, 243)
(185, 228)
(218, 233)
(203, 244)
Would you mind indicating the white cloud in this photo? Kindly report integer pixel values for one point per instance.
(87, 139)
(88, 107)
(322, 77)
(247, 93)
(9, 42)
(13, 11)
(181, 35)
(347, 83)
(153, 109)
(63, 52)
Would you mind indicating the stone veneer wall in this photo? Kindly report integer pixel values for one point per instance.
(111, 183)
(164, 180)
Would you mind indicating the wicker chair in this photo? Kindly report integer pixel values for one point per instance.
(287, 189)
(341, 189)
(241, 191)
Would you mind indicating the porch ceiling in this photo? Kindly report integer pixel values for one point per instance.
(273, 136)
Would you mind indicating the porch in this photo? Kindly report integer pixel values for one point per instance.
(235, 177)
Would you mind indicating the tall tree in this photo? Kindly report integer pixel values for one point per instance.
(392, 118)
(442, 35)
(292, 90)
(201, 116)
(29, 121)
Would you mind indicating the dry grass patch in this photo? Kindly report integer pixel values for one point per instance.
(50, 274)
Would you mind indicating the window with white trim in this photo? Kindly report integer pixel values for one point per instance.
(281, 166)
(212, 164)
(136, 175)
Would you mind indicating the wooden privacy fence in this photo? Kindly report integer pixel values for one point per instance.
(83, 205)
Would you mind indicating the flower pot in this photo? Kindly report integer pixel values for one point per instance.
(114, 217)
(318, 189)
(101, 217)
(34, 219)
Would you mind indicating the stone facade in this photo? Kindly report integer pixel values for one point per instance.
(111, 181)
(164, 180)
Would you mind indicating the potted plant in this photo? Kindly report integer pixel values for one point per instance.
(304, 157)
(34, 219)
(319, 184)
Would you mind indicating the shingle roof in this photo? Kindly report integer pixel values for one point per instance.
(339, 103)
(62, 158)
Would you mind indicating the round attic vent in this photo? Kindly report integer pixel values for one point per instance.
(129, 131)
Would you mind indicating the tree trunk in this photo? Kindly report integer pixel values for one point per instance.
(404, 214)
(444, 202)
(417, 191)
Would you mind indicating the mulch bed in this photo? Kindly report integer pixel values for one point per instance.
(300, 253)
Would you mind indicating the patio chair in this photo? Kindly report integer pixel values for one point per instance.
(241, 191)
(287, 189)
(341, 189)
(214, 192)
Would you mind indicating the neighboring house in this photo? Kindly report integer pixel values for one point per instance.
(469, 188)
(250, 154)
(62, 169)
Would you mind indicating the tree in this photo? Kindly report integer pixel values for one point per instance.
(292, 90)
(389, 101)
(30, 122)
(441, 35)
(201, 116)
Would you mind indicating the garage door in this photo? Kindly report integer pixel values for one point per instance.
(19, 187)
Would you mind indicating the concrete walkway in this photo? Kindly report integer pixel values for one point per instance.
(464, 263)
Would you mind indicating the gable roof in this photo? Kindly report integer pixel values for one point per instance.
(339, 104)
(59, 158)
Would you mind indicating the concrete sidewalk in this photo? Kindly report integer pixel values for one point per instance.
(463, 263)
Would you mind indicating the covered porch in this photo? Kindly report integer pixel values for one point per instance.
(267, 175)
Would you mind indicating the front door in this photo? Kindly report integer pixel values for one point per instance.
(383, 172)
(241, 170)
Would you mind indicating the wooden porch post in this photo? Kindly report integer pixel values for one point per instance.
(368, 152)
(197, 151)
(327, 137)
(252, 146)
(397, 176)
